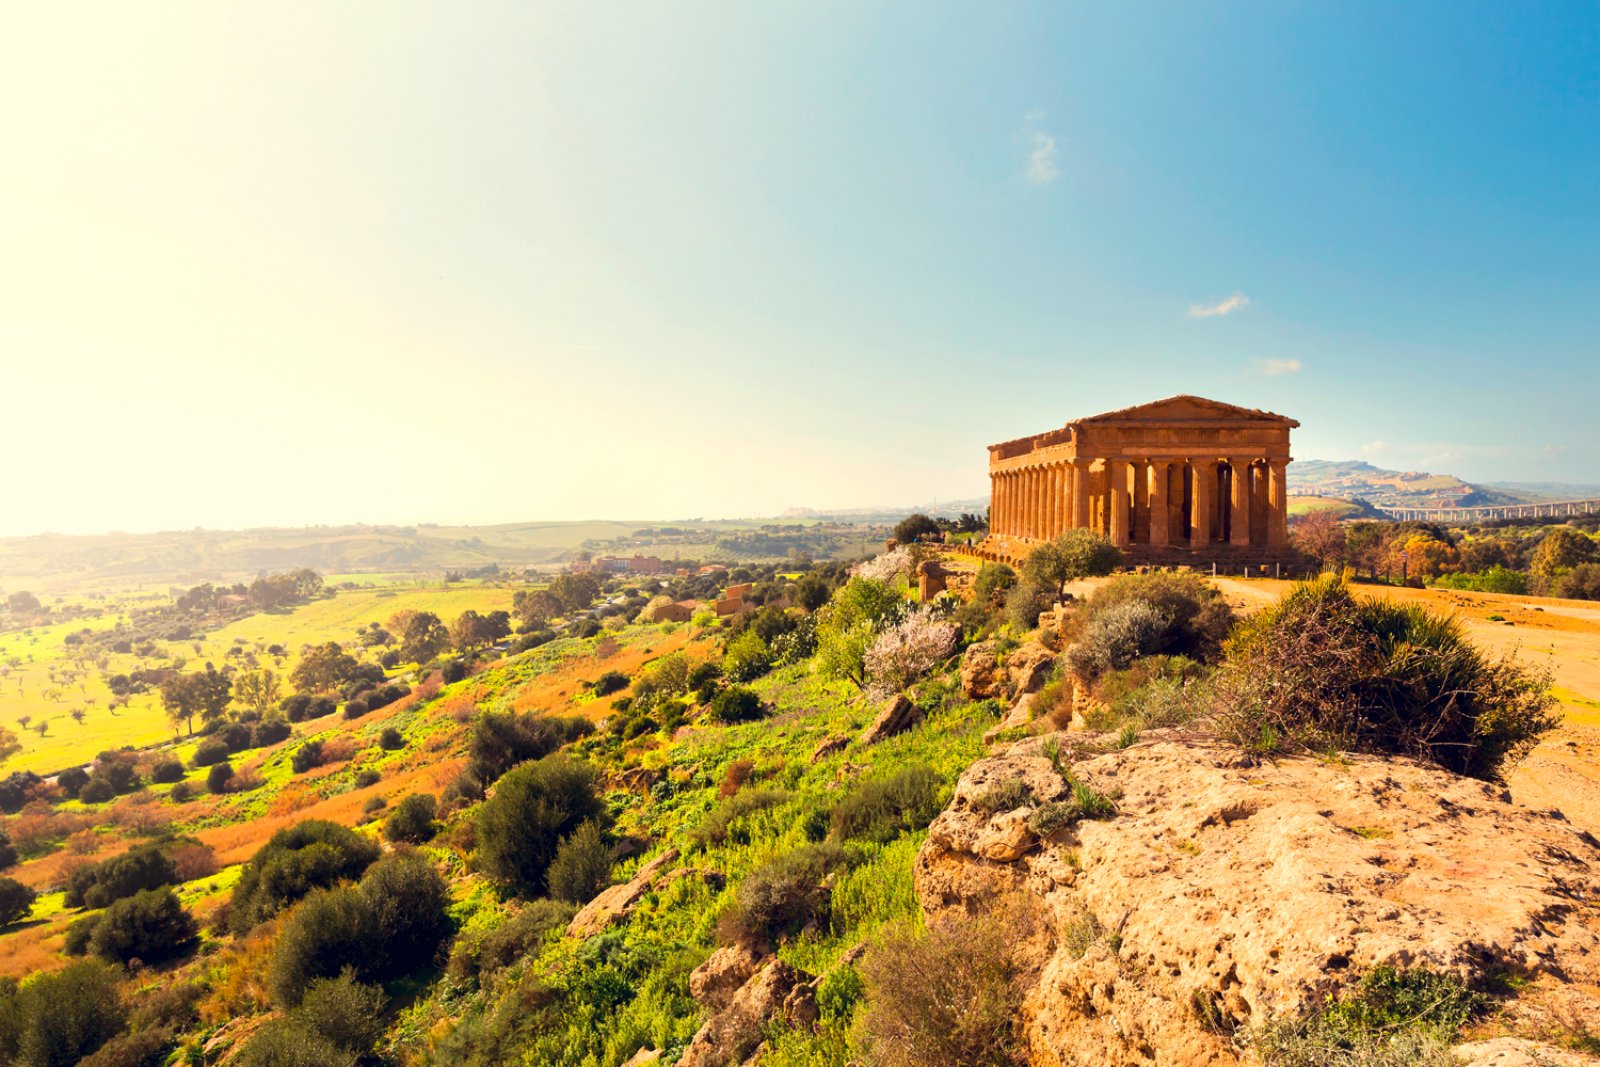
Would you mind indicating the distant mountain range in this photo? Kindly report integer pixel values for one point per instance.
(1357, 480)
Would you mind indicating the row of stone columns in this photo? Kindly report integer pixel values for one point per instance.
(1175, 501)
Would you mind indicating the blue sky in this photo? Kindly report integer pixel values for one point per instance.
(406, 262)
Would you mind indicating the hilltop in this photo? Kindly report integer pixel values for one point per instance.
(1358, 480)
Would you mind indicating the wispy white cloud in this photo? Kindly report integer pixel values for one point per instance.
(1042, 153)
(1274, 367)
(1223, 307)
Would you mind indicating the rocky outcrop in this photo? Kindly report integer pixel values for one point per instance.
(714, 983)
(898, 715)
(1252, 891)
(734, 1034)
(618, 901)
(981, 675)
(1028, 667)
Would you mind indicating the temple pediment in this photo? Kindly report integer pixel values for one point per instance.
(1185, 409)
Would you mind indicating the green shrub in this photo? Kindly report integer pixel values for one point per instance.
(992, 583)
(141, 868)
(54, 1020)
(747, 657)
(150, 927)
(411, 820)
(735, 705)
(329, 932)
(16, 901)
(881, 809)
(1390, 1019)
(533, 808)
(407, 901)
(610, 682)
(210, 751)
(948, 996)
(312, 855)
(783, 895)
(582, 865)
(1026, 601)
(342, 1011)
(283, 1043)
(218, 777)
(1324, 670)
(166, 771)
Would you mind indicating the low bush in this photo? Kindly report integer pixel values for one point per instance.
(218, 777)
(534, 807)
(166, 771)
(60, 1018)
(1390, 1019)
(952, 995)
(411, 821)
(270, 731)
(736, 704)
(582, 865)
(881, 809)
(783, 895)
(100, 884)
(312, 855)
(16, 901)
(149, 927)
(211, 751)
(1322, 669)
(610, 682)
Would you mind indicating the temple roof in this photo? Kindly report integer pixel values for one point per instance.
(1186, 408)
(1174, 409)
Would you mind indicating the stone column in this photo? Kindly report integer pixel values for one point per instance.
(1159, 512)
(1239, 503)
(1080, 493)
(1117, 502)
(1277, 502)
(1205, 491)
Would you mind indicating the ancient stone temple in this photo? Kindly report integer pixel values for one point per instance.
(1178, 480)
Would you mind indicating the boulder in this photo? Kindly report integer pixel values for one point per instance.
(1028, 667)
(898, 715)
(1260, 891)
(734, 1034)
(828, 746)
(981, 677)
(615, 903)
(714, 983)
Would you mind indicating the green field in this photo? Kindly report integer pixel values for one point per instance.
(29, 660)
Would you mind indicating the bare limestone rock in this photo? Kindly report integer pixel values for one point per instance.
(1258, 890)
(898, 715)
(981, 676)
(734, 1034)
(618, 901)
(714, 983)
(828, 746)
(1028, 667)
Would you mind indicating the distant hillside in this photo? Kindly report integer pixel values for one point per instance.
(1356, 480)
(949, 509)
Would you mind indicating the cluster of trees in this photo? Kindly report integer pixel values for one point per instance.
(1548, 561)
